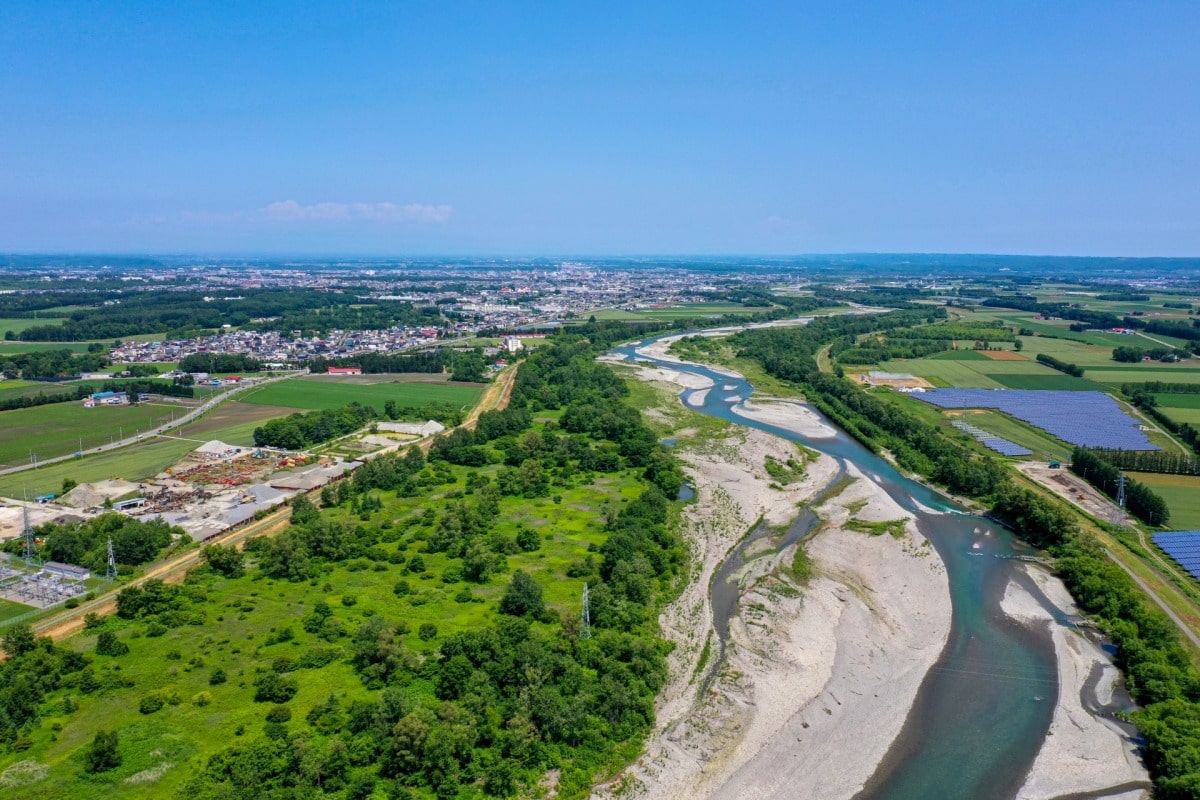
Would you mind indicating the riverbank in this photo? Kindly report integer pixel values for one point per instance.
(827, 669)
(1085, 750)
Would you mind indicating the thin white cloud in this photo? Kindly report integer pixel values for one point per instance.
(290, 210)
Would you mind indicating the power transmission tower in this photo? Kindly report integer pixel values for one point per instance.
(1121, 490)
(111, 572)
(587, 614)
(30, 544)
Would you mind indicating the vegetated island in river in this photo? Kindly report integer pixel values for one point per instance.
(832, 637)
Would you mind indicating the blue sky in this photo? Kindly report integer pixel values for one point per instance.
(599, 128)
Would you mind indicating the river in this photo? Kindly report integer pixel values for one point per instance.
(984, 709)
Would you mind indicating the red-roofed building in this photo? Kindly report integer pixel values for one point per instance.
(343, 371)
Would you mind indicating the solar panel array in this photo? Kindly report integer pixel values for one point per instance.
(1002, 446)
(1087, 419)
(1184, 547)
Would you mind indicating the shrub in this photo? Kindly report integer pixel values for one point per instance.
(427, 631)
(107, 644)
(279, 714)
(151, 703)
(217, 677)
(103, 753)
(274, 688)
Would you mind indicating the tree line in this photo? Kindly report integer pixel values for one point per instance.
(1140, 500)
(1166, 462)
(1060, 365)
(300, 430)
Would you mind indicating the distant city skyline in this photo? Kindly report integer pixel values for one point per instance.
(615, 130)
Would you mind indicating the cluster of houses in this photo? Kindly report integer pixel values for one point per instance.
(276, 349)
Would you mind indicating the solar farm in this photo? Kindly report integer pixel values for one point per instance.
(1002, 446)
(1086, 419)
(1184, 547)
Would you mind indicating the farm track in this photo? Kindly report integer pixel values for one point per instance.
(71, 621)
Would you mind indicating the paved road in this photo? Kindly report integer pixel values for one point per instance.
(196, 412)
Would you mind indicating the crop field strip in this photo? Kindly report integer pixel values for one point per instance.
(319, 394)
(55, 430)
(1181, 493)
(1088, 419)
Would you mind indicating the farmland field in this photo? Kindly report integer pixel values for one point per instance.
(986, 373)
(1115, 376)
(55, 430)
(232, 422)
(16, 325)
(9, 348)
(1181, 415)
(313, 394)
(1043, 381)
(136, 462)
(1178, 400)
(1182, 493)
(943, 373)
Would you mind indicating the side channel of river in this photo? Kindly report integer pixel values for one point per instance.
(983, 711)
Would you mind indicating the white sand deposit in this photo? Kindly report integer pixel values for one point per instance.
(817, 684)
(798, 419)
(733, 490)
(696, 399)
(1083, 752)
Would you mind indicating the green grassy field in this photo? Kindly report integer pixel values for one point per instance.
(243, 616)
(16, 325)
(131, 463)
(1116, 375)
(1045, 382)
(56, 430)
(11, 348)
(1181, 415)
(1073, 352)
(1182, 493)
(312, 394)
(9, 610)
(1178, 400)
(959, 355)
(942, 372)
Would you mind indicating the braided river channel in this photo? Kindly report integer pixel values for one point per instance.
(984, 709)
